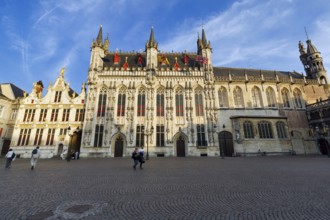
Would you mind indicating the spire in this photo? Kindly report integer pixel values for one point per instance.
(99, 39)
(311, 49)
(204, 38)
(152, 43)
(152, 35)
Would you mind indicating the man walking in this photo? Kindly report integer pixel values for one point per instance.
(10, 156)
(34, 157)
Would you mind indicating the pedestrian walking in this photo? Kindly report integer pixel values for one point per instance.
(141, 157)
(64, 152)
(34, 157)
(10, 156)
(135, 157)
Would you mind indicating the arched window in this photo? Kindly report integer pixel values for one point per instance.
(160, 102)
(256, 97)
(286, 98)
(102, 103)
(238, 97)
(265, 130)
(297, 98)
(223, 97)
(121, 103)
(281, 131)
(248, 129)
(141, 103)
(179, 103)
(271, 99)
(199, 102)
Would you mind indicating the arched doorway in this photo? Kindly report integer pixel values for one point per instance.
(323, 146)
(180, 147)
(119, 147)
(226, 146)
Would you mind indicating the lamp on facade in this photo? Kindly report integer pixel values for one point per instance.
(148, 133)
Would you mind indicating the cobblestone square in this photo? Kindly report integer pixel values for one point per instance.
(295, 187)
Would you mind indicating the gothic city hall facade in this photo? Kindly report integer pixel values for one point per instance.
(175, 104)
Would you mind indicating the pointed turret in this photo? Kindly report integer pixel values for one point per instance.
(152, 43)
(311, 48)
(204, 48)
(313, 62)
(152, 51)
(204, 41)
(99, 39)
(99, 50)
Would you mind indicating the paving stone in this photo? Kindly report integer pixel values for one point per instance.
(245, 188)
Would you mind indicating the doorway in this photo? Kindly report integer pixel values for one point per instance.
(180, 147)
(119, 147)
(226, 146)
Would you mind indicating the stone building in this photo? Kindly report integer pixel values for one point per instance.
(179, 104)
(52, 121)
(318, 115)
(9, 103)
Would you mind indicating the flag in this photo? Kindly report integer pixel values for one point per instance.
(205, 60)
(201, 59)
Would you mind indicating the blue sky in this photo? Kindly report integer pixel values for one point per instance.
(39, 37)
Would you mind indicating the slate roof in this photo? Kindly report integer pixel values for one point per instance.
(224, 71)
(132, 60)
(16, 91)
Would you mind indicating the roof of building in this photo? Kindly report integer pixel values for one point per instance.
(17, 92)
(224, 71)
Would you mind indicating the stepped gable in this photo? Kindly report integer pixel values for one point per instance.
(132, 59)
(224, 71)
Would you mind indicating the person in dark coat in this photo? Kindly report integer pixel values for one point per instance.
(141, 157)
(135, 157)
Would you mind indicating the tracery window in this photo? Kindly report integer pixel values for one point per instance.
(179, 103)
(285, 98)
(223, 97)
(121, 103)
(271, 99)
(141, 103)
(256, 97)
(238, 97)
(199, 102)
(160, 99)
(297, 98)
(102, 103)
